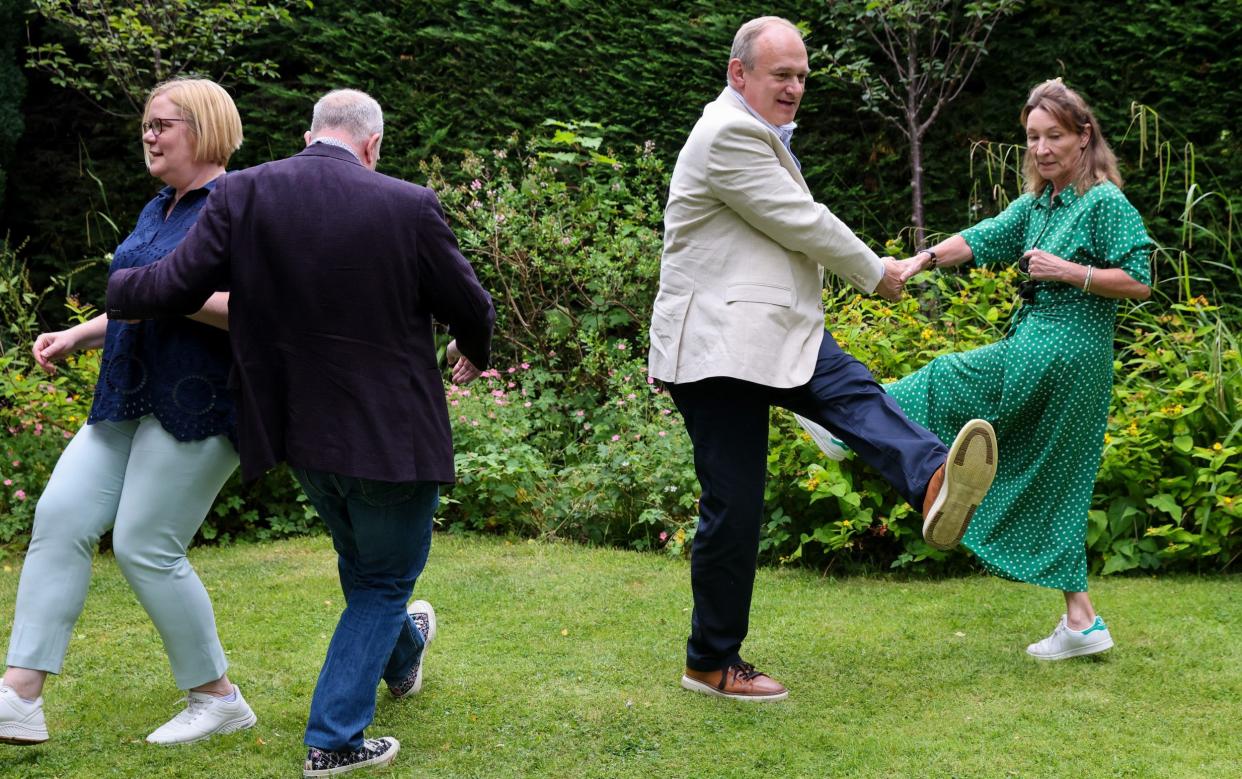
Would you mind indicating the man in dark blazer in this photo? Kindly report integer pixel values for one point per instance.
(335, 273)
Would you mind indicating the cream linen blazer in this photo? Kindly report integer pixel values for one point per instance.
(745, 247)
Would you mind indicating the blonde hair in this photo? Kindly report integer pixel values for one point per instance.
(209, 113)
(1096, 164)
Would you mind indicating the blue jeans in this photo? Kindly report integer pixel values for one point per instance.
(382, 533)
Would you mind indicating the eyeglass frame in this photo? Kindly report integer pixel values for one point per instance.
(155, 125)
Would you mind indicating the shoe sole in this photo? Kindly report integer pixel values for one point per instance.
(968, 476)
(379, 761)
(22, 737)
(696, 686)
(1081, 651)
(232, 726)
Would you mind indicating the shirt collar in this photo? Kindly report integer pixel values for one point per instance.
(784, 132)
(329, 141)
(167, 192)
(1065, 197)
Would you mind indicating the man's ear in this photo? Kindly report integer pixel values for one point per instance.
(371, 150)
(307, 137)
(737, 74)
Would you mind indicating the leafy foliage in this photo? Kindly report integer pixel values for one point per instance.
(127, 47)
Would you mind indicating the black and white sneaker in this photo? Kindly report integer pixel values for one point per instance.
(425, 622)
(374, 752)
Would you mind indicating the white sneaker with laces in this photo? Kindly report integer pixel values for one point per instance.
(424, 617)
(21, 721)
(1066, 642)
(205, 716)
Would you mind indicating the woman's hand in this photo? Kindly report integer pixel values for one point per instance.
(50, 348)
(464, 371)
(1043, 266)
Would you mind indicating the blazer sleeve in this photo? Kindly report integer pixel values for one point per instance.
(746, 175)
(449, 284)
(181, 281)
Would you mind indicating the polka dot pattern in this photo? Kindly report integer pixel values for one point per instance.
(1045, 387)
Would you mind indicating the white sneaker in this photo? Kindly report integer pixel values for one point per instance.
(832, 447)
(21, 721)
(204, 716)
(1067, 642)
(425, 622)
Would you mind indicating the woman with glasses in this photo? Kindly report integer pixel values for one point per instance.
(154, 452)
(1046, 386)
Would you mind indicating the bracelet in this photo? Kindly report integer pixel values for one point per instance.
(1086, 283)
(929, 253)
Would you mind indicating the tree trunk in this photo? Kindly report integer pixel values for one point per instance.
(916, 183)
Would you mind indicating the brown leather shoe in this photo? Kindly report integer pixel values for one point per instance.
(957, 488)
(739, 681)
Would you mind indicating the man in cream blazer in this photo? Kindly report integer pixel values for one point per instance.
(738, 326)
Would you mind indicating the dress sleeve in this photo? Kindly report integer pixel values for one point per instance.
(1118, 237)
(1000, 240)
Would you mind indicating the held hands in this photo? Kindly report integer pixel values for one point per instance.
(50, 348)
(892, 283)
(913, 266)
(464, 371)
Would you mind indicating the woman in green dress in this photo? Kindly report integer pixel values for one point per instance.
(1046, 386)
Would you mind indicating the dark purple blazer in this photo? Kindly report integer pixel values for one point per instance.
(335, 273)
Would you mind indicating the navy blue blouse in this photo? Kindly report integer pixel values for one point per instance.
(174, 368)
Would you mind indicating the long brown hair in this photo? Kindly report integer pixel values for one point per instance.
(1096, 164)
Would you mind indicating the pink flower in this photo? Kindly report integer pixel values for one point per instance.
(616, 438)
(67, 434)
(17, 463)
(621, 346)
(20, 494)
(650, 380)
(8, 482)
(511, 370)
(525, 366)
(512, 384)
(579, 413)
(663, 433)
(476, 185)
(631, 396)
(663, 535)
(454, 402)
(666, 411)
(526, 404)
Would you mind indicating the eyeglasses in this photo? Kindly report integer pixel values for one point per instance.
(156, 125)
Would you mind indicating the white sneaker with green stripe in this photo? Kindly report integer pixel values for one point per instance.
(1066, 642)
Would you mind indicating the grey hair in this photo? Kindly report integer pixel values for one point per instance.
(747, 34)
(348, 110)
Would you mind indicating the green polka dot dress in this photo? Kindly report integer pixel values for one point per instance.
(1045, 387)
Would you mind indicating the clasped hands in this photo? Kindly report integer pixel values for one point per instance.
(1038, 264)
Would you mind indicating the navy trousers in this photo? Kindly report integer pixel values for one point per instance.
(728, 424)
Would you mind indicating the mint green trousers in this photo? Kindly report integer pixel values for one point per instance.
(153, 491)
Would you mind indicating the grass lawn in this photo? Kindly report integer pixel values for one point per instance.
(559, 661)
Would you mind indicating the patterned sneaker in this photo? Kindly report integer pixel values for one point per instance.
(374, 752)
(1067, 642)
(205, 716)
(425, 621)
(21, 721)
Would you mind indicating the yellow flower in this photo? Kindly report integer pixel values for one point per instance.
(812, 484)
(1108, 439)
(847, 523)
(1216, 447)
(927, 333)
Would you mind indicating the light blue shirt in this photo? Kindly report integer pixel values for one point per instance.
(784, 132)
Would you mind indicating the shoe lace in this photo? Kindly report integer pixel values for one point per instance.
(746, 672)
(194, 708)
